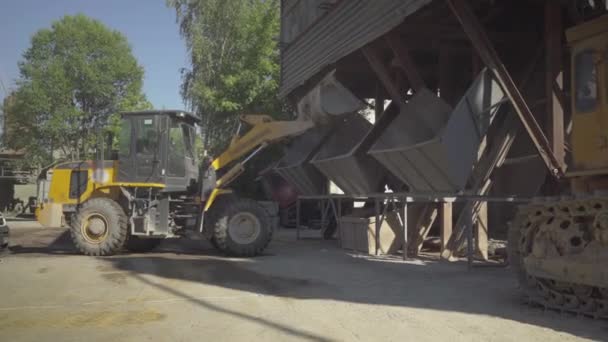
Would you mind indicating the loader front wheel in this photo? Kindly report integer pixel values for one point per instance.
(241, 227)
(99, 228)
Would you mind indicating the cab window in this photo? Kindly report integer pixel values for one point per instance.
(585, 82)
(189, 140)
(176, 141)
(177, 150)
(124, 140)
(147, 136)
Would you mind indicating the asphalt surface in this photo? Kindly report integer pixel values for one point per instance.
(299, 290)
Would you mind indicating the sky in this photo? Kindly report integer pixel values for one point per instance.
(149, 26)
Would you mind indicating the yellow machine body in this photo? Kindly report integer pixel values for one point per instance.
(60, 190)
(559, 246)
(101, 182)
(589, 94)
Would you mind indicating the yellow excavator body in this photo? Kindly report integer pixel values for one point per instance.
(559, 246)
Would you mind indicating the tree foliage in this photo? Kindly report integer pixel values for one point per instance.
(234, 61)
(74, 79)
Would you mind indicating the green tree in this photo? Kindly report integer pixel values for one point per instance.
(234, 62)
(74, 79)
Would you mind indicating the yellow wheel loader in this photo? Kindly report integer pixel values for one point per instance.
(559, 247)
(155, 188)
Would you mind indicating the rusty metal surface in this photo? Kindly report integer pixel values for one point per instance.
(430, 149)
(345, 29)
(295, 168)
(343, 161)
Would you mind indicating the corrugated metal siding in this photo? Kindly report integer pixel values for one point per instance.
(288, 4)
(347, 28)
(298, 16)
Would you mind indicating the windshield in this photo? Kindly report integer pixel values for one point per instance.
(147, 136)
(124, 140)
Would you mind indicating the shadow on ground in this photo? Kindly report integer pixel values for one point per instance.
(319, 270)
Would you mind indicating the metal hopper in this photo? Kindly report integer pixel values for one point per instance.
(295, 167)
(344, 160)
(440, 156)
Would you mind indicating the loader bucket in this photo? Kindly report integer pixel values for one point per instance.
(438, 157)
(343, 158)
(294, 167)
(327, 100)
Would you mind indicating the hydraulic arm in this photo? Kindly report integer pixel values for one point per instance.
(264, 131)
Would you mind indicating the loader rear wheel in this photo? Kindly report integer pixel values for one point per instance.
(241, 227)
(99, 228)
(139, 245)
(214, 243)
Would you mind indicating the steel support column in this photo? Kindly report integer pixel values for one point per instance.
(482, 44)
(406, 61)
(554, 79)
(383, 75)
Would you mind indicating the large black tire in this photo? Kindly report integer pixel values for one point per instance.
(241, 227)
(140, 245)
(99, 228)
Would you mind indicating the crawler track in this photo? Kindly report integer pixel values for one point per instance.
(561, 227)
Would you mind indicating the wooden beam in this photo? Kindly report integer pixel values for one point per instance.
(476, 63)
(502, 141)
(379, 103)
(478, 37)
(481, 231)
(554, 79)
(383, 75)
(427, 216)
(397, 94)
(445, 229)
(406, 61)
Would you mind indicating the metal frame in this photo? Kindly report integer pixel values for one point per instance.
(404, 199)
(482, 44)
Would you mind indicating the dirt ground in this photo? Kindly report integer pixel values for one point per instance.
(299, 290)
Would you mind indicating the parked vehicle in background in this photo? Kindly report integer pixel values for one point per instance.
(3, 233)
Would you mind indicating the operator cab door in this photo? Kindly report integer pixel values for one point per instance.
(182, 167)
(141, 159)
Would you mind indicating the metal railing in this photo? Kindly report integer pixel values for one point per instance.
(383, 202)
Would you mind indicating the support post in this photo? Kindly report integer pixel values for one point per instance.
(444, 72)
(298, 219)
(469, 228)
(383, 75)
(476, 33)
(481, 229)
(554, 80)
(377, 212)
(476, 63)
(445, 224)
(338, 223)
(405, 241)
(499, 148)
(428, 215)
(406, 61)
(379, 103)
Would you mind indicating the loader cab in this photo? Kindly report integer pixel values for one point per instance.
(589, 64)
(158, 147)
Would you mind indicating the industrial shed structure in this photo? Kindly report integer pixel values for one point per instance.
(394, 49)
